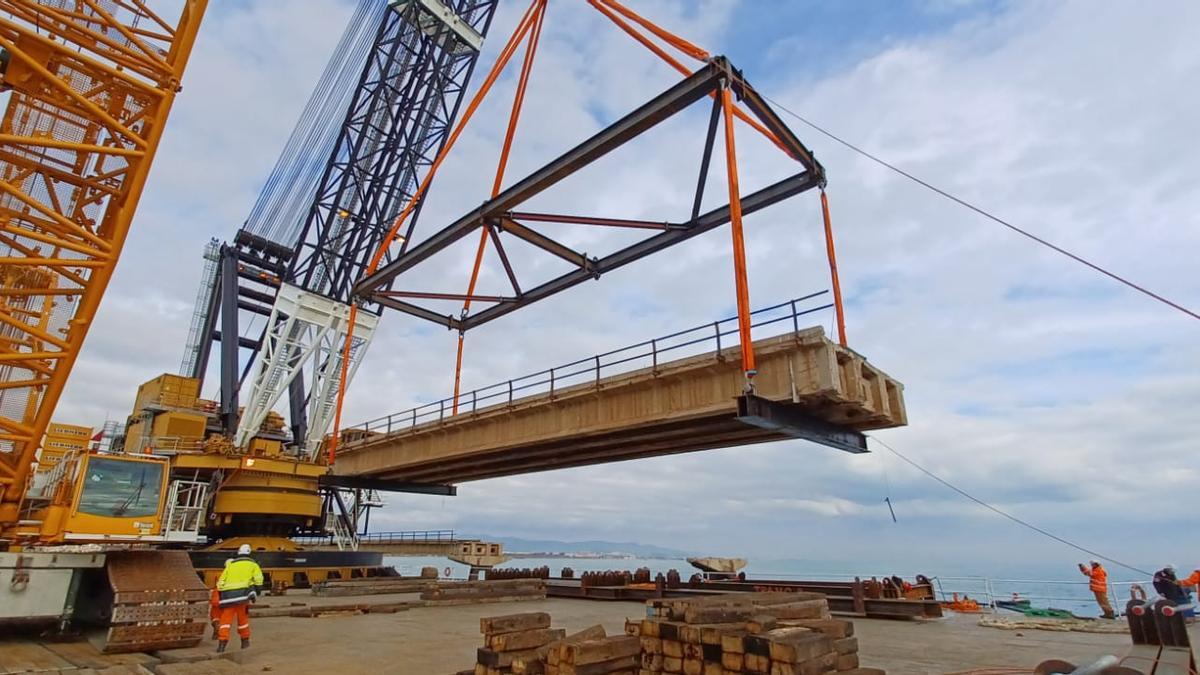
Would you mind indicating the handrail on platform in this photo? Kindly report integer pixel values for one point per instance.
(401, 537)
(591, 367)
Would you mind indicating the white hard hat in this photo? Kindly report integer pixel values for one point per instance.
(1095, 562)
(244, 549)
(1170, 568)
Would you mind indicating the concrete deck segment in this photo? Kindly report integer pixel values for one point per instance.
(679, 406)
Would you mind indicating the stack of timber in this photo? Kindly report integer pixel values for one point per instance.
(485, 591)
(511, 638)
(525, 644)
(339, 588)
(759, 633)
(619, 655)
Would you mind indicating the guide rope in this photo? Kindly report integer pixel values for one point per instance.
(986, 214)
(1006, 514)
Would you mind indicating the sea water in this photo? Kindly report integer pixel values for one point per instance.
(1042, 590)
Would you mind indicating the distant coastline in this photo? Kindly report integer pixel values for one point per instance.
(585, 555)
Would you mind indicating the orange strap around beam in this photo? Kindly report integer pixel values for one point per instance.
(833, 270)
(666, 36)
(739, 242)
(514, 116)
(602, 6)
(393, 234)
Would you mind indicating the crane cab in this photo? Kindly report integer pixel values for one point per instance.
(96, 497)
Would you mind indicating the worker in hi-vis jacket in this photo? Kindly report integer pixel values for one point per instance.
(1098, 583)
(238, 587)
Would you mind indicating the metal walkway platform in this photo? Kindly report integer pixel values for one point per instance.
(807, 387)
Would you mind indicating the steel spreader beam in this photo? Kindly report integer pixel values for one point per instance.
(500, 213)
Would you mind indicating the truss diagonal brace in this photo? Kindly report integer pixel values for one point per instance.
(659, 109)
(542, 241)
(420, 312)
(750, 203)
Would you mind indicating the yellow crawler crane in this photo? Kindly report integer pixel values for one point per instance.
(260, 494)
(89, 85)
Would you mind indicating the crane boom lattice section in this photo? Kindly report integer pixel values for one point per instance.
(89, 87)
(398, 119)
(396, 122)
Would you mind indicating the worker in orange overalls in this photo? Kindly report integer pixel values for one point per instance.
(238, 587)
(214, 610)
(1193, 580)
(1098, 583)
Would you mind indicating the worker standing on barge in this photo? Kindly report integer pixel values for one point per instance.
(238, 587)
(1098, 583)
(1193, 580)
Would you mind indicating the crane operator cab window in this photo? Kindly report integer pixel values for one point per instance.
(118, 489)
(119, 497)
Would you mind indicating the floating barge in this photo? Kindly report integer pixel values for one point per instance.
(846, 598)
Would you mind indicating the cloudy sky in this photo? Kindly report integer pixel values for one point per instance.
(1031, 382)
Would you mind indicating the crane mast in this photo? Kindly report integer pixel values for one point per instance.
(308, 257)
(89, 87)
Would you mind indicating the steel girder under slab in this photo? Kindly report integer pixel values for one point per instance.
(809, 387)
(499, 215)
(787, 419)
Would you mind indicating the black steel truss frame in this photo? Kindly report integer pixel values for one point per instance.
(399, 118)
(499, 214)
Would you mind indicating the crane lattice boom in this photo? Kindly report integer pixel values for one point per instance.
(90, 85)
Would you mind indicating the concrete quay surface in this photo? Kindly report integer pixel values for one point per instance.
(443, 640)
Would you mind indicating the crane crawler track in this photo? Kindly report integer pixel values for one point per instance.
(158, 601)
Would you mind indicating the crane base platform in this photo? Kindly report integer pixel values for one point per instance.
(297, 569)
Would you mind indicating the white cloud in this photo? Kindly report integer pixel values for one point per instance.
(1031, 381)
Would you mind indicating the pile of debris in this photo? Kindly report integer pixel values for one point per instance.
(775, 633)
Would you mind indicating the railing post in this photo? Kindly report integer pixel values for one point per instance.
(510, 392)
(654, 354)
(474, 399)
(414, 412)
(389, 424)
(597, 370)
(441, 410)
(795, 319)
(717, 331)
(552, 382)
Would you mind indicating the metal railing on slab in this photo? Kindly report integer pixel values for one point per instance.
(402, 537)
(718, 335)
